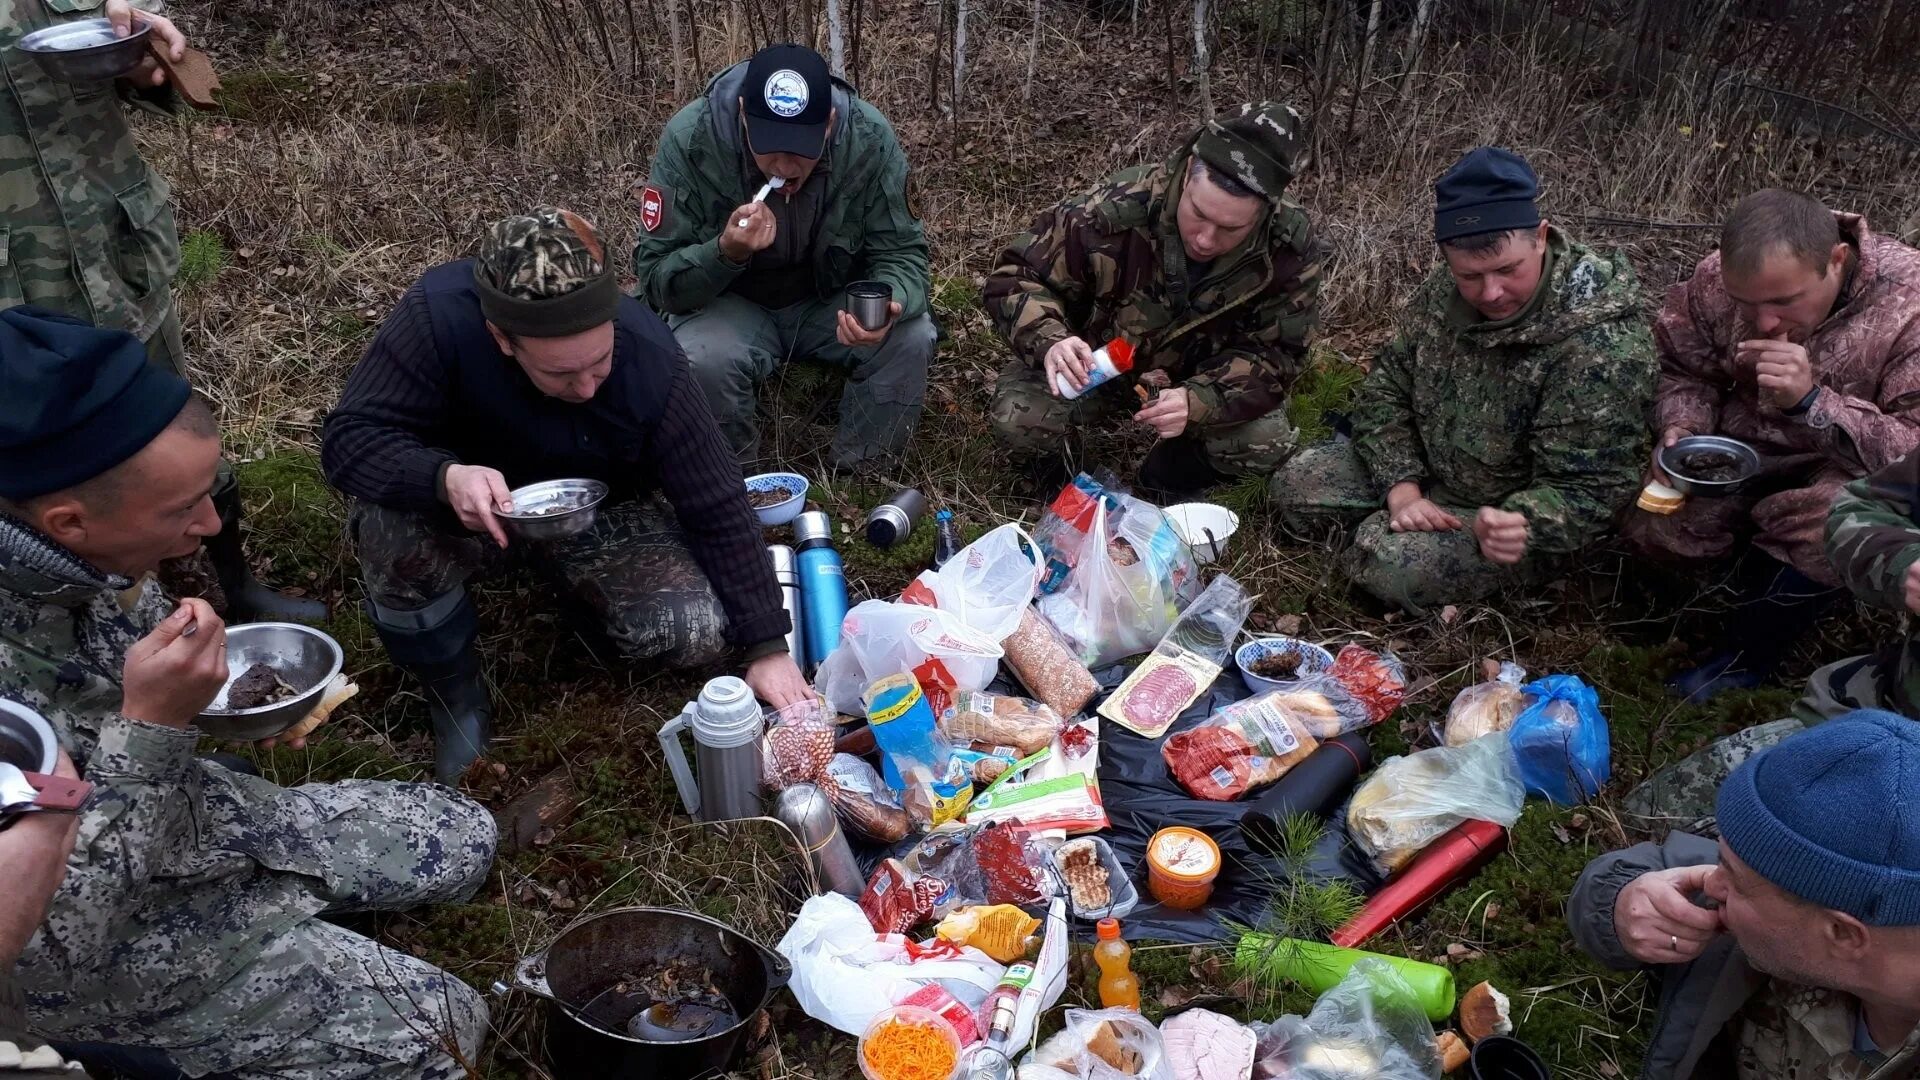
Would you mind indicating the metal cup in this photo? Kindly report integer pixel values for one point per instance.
(867, 302)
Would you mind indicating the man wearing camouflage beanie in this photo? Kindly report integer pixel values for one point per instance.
(522, 365)
(1205, 268)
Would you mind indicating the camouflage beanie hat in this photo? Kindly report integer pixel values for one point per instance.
(1263, 145)
(545, 274)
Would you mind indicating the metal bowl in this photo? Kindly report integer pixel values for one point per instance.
(553, 510)
(85, 51)
(1746, 457)
(304, 658)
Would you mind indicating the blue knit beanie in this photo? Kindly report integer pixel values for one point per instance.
(1832, 815)
(1489, 190)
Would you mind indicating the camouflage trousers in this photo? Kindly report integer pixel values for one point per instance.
(1325, 491)
(1031, 422)
(631, 576)
(1789, 525)
(736, 345)
(313, 1001)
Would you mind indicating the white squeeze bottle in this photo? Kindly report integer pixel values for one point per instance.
(1113, 358)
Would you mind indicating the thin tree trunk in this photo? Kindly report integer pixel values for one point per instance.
(1416, 40)
(675, 38)
(836, 45)
(933, 59)
(1366, 67)
(1033, 47)
(959, 55)
(1201, 62)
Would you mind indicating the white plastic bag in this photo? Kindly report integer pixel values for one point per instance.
(988, 584)
(844, 974)
(1126, 1035)
(1133, 577)
(879, 638)
(1410, 801)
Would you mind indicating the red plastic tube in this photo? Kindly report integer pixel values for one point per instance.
(1446, 862)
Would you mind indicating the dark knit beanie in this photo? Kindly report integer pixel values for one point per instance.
(1489, 190)
(1832, 815)
(75, 401)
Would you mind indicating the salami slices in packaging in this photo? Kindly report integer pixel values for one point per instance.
(1246, 745)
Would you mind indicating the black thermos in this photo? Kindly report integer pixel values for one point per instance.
(891, 521)
(1316, 786)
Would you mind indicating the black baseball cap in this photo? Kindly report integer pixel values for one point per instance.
(788, 98)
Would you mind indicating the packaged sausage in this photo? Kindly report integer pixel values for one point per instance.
(990, 721)
(1184, 664)
(1244, 746)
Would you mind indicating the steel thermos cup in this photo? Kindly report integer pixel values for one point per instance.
(787, 573)
(891, 521)
(727, 729)
(867, 302)
(823, 584)
(804, 809)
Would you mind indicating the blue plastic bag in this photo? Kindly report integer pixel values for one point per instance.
(1561, 740)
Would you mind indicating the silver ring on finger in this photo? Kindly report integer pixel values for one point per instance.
(1675, 938)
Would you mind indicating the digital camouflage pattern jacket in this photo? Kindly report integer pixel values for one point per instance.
(1544, 414)
(1111, 263)
(1873, 538)
(84, 223)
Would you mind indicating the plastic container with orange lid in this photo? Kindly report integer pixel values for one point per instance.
(1181, 866)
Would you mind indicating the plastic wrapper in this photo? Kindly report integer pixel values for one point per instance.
(1246, 745)
(1103, 1044)
(845, 974)
(879, 638)
(797, 752)
(986, 721)
(1184, 663)
(1012, 870)
(1323, 707)
(1561, 740)
(1409, 802)
(864, 803)
(1096, 886)
(897, 899)
(989, 584)
(1063, 529)
(1369, 1027)
(912, 752)
(1487, 707)
(1133, 577)
(1058, 788)
(1047, 668)
(1000, 930)
(1376, 680)
(1203, 1045)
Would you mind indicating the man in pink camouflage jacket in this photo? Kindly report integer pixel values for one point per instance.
(1800, 337)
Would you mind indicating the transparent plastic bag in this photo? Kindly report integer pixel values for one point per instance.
(1371, 1025)
(1561, 740)
(987, 720)
(1408, 802)
(1104, 1044)
(1185, 662)
(1243, 746)
(845, 974)
(1062, 532)
(1375, 679)
(1323, 706)
(1487, 707)
(988, 584)
(1133, 576)
(881, 638)
(864, 803)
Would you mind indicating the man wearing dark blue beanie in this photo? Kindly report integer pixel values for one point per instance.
(1792, 947)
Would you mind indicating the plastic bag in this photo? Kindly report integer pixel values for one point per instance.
(1323, 706)
(898, 898)
(1561, 740)
(988, 584)
(1376, 680)
(1370, 1025)
(1185, 662)
(864, 803)
(1062, 532)
(844, 973)
(1103, 1044)
(1245, 745)
(1408, 802)
(879, 638)
(797, 752)
(1487, 707)
(1133, 576)
(1001, 930)
(981, 719)
(1047, 668)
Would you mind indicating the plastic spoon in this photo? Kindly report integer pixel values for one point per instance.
(772, 184)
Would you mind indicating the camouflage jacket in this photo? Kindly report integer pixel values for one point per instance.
(1544, 414)
(84, 223)
(170, 848)
(1866, 356)
(698, 177)
(1111, 263)
(1873, 537)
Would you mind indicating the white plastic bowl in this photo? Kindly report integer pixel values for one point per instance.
(780, 513)
(1193, 520)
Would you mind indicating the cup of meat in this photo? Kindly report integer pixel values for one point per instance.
(1272, 663)
(277, 674)
(777, 497)
(1709, 465)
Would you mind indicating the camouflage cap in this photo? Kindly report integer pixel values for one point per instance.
(545, 274)
(1262, 144)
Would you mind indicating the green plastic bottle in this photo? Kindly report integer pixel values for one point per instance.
(1320, 967)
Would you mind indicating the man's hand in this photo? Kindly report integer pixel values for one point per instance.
(776, 680)
(1913, 588)
(33, 859)
(475, 492)
(855, 336)
(1410, 511)
(174, 673)
(1781, 368)
(1658, 922)
(1167, 416)
(1069, 361)
(1667, 438)
(123, 17)
(1502, 535)
(740, 242)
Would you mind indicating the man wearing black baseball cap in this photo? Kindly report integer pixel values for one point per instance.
(767, 197)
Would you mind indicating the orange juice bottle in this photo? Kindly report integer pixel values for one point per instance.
(1119, 989)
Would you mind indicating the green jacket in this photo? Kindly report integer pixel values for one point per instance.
(84, 223)
(869, 231)
(1873, 539)
(1544, 414)
(1110, 263)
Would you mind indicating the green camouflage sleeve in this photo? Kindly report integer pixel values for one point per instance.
(893, 243)
(1265, 353)
(1384, 435)
(1872, 537)
(1045, 273)
(677, 254)
(1589, 439)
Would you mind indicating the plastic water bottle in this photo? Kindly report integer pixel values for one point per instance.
(823, 584)
(1113, 358)
(946, 538)
(1119, 988)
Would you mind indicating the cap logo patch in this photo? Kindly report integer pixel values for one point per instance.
(786, 93)
(1471, 219)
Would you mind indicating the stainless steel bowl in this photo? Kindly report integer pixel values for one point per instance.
(304, 658)
(1747, 458)
(85, 51)
(553, 510)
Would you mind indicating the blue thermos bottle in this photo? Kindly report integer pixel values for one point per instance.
(823, 584)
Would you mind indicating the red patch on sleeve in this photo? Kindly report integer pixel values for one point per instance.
(653, 207)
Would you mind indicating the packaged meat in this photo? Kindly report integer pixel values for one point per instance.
(865, 804)
(1012, 869)
(1245, 745)
(987, 721)
(1184, 664)
(797, 752)
(897, 899)
(1377, 680)
(1043, 664)
(1486, 707)
(1203, 1045)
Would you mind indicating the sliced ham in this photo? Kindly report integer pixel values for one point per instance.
(1202, 1045)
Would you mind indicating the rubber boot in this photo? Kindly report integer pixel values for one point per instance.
(247, 599)
(1778, 607)
(436, 646)
(1176, 470)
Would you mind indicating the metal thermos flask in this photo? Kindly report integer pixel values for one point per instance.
(727, 729)
(787, 573)
(892, 521)
(823, 584)
(805, 809)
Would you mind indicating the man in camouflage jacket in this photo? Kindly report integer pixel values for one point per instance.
(1206, 270)
(189, 920)
(1502, 426)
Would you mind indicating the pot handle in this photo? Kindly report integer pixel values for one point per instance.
(779, 970)
(530, 975)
